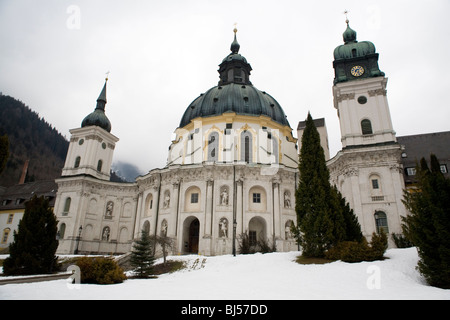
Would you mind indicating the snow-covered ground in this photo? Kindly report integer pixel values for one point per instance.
(274, 276)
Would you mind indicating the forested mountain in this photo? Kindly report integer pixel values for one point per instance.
(30, 138)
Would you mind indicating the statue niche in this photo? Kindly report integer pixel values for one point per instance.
(224, 196)
(223, 228)
(109, 210)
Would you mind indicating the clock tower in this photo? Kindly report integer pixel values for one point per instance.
(368, 170)
(359, 93)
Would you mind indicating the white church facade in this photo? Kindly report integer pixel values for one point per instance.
(233, 167)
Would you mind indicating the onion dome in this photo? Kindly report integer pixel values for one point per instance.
(352, 48)
(355, 60)
(234, 93)
(98, 116)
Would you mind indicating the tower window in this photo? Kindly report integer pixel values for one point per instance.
(67, 206)
(99, 165)
(353, 53)
(366, 127)
(77, 162)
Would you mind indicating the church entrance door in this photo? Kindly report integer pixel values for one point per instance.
(194, 229)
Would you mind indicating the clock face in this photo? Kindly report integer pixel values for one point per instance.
(357, 71)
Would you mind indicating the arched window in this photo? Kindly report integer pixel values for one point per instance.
(99, 165)
(67, 206)
(366, 127)
(62, 231)
(213, 146)
(77, 162)
(246, 146)
(381, 222)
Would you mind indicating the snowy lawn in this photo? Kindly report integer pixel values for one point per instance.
(271, 276)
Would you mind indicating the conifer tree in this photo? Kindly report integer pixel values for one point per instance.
(428, 225)
(4, 151)
(34, 247)
(323, 217)
(142, 258)
(312, 195)
(351, 226)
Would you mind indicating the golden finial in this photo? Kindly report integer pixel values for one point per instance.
(107, 75)
(235, 29)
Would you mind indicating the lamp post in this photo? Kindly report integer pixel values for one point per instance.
(78, 239)
(234, 237)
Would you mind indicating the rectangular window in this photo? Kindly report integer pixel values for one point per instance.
(10, 218)
(375, 184)
(411, 171)
(194, 197)
(257, 198)
(443, 168)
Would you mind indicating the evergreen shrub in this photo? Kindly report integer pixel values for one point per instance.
(100, 270)
(353, 251)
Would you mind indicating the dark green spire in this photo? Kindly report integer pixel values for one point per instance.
(98, 116)
(101, 101)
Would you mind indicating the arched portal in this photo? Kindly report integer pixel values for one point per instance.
(191, 234)
(257, 230)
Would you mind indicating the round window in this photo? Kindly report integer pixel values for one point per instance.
(362, 99)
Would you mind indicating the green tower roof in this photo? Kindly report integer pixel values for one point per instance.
(98, 116)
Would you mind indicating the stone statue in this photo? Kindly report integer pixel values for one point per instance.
(105, 235)
(287, 199)
(109, 209)
(223, 228)
(224, 197)
(166, 203)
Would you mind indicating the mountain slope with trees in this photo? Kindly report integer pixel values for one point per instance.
(30, 138)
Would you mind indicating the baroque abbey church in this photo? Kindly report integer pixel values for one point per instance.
(233, 167)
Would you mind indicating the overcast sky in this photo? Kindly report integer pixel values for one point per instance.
(163, 54)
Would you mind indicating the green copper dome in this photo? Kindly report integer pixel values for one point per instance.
(98, 116)
(352, 48)
(234, 97)
(234, 93)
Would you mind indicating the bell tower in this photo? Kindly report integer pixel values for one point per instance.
(368, 170)
(92, 146)
(359, 93)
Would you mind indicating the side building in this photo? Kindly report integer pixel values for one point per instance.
(12, 205)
